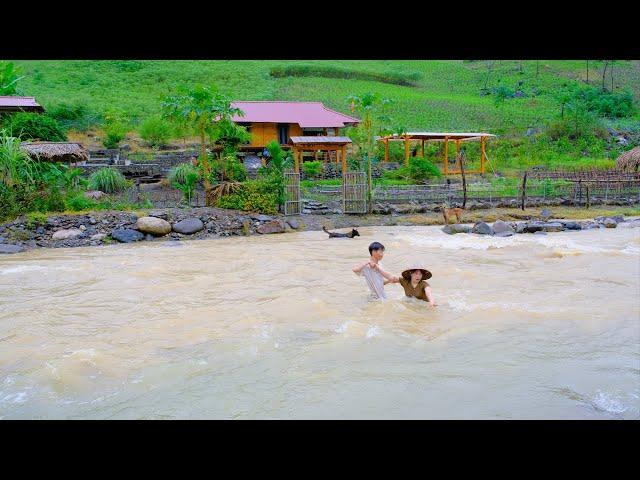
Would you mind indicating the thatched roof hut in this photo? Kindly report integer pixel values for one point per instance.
(56, 151)
(629, 161)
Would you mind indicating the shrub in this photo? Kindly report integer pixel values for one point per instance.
(228, 169)
(78, 202)
(73, 115)
(396, 78)
(115, 128)
(156, 131)
(34, 126)
(312, 169)
(114, 134)
(107, 180)
(184, 177)
(253, 196)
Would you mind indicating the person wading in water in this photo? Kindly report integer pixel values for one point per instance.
(414, 281)
(373, 273)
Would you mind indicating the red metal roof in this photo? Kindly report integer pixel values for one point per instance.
(11, 103)
(305, 114)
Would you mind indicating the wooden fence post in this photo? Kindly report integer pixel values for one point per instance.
(524, 187)
(464, 180)
(588, 201)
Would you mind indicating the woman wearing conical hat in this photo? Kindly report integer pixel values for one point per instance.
(414, 281)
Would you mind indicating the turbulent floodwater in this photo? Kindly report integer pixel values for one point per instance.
(527, 327)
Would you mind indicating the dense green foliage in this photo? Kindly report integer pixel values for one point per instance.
(156, 131)
(9, 78)
(419, 170)
(116, 126)
(184, 177)
(107, 180)
(76, 115)
(34, 126)
(397, 78)
(312, 169)
(253, 196)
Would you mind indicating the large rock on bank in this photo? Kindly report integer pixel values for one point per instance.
(456, 228)
(188, 226)
(66, 234)
(274, 226)
(153, 225)
(482, 228)
(127, 235)
(500, 227)
(11, 249)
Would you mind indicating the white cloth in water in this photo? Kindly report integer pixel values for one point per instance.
(375, 281)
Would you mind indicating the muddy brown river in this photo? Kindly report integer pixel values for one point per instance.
(278, 327)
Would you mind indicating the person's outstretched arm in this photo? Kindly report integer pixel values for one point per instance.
(387, 276)
(432, 302)
(358, 268)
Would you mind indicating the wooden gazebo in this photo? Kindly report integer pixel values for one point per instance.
(323, 144)
(444, 137)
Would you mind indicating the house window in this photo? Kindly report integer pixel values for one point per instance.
(313, 132)
(283, 133)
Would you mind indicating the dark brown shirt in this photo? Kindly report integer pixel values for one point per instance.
(417, 292)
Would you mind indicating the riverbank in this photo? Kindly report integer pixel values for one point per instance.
(173, 224)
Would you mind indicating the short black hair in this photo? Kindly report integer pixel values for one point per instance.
(375, 246)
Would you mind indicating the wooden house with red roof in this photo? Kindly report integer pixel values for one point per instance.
(312, 130)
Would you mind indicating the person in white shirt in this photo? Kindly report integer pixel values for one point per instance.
(373, 273)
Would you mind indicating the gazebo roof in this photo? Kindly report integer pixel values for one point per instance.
(19, 104)
(56, 151)
(437, 136)
(320, 140)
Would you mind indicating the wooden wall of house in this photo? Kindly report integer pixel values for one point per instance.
(263, 133)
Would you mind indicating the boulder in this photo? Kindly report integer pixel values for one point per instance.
(7, 248)
(572, 225)
(630, 224)
(293, 223)
(456, 228)
(499, 227)
(261, 218)
(98, 236)
(127, 235)
(539, 232)
(552, 227)
(159, 214)
(482, 228)
(532, 227)
(520, 227)
(66, 234)
(153, 225)
(188, 226)
(94, 195)
(274, 226)
(545, 214)
(504, 233)
(610, 223)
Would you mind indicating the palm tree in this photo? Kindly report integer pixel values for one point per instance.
(200, 108)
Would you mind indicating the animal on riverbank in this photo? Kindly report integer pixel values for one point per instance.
(351, 234)
(448, 213)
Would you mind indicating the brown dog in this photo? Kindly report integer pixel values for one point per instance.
(451, 212)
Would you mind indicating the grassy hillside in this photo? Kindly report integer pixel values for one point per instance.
(440, 95)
